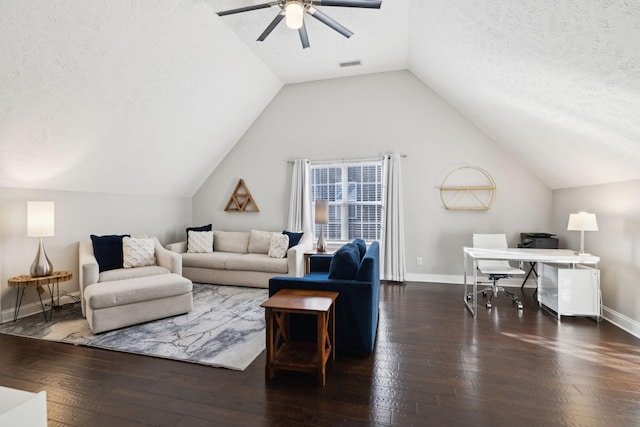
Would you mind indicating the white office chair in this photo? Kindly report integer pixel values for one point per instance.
(495, 269)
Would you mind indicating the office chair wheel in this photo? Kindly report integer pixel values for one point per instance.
(520, 307)
(488, 304)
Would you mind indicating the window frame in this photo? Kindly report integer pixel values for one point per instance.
(346, 185)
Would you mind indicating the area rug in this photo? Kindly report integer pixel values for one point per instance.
(226, 328)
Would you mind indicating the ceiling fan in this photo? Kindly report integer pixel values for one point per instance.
(294, 11)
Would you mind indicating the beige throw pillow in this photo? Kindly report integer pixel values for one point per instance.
(279, 245)
(259, 241)
(138, 252)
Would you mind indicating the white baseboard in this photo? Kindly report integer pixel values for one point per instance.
(35, 307)
(621, 321)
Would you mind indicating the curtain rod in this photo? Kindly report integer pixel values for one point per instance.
(371, 159)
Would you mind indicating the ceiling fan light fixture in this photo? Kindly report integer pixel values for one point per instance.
(294, 14)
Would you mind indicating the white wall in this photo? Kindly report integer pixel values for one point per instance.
(78, 215)
(617, 243)
(367, 116)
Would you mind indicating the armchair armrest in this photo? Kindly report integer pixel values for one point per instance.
(168, 259)
(89, 271)
(320, 263)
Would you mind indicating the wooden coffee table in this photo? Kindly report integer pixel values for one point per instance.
(286, 354)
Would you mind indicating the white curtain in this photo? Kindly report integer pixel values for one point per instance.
(300, 199)
(392, 256)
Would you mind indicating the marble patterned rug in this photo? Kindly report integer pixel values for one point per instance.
(226, 328)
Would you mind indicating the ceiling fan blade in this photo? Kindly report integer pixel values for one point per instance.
(304, 38)
(370, 4)
(247, 8)
(279, 17)
(329, 22)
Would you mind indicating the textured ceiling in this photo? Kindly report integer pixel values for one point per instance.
(557, 84)
(380, 40)
(138, 97)
(147, 96)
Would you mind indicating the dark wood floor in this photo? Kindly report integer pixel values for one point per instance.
(433, 366)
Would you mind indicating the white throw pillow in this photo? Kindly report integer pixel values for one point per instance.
(279, 245)
(200, 242)
(138, 252)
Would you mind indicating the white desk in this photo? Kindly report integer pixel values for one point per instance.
(560, 256)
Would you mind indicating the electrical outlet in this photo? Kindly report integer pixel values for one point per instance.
(419, 260)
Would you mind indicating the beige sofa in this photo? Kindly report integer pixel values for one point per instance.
(241, 258)
(122, 297)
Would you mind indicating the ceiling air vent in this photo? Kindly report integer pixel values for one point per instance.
(355, 63)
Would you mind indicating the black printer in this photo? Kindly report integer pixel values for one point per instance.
(538, 240)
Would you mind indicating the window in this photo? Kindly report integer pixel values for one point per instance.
(354, 192)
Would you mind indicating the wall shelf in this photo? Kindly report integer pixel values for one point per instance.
(479, 195)
(241, 200)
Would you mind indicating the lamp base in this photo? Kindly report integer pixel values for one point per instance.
(322, 244)
(41, 265)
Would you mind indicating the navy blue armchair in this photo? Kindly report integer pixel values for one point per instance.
(356, 305)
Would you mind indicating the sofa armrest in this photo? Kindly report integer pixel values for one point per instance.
(178, 247)
(295, 255)
(168, 259)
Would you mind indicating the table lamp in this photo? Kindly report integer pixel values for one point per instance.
(41, 223)
(322, 217)
(582, 221)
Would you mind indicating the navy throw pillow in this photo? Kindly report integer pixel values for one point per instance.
(108, 251)
(362, 247)
(294, 238)
(345, 262)
(207, 227)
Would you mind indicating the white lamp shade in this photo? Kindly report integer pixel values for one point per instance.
(40, 219)
(294, 14)
(582, 221)
(322, 211)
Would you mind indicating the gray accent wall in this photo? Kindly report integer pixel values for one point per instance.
(617, 243)
(367, 116)
(78, 215)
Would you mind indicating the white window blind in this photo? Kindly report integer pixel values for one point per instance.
(355, 194)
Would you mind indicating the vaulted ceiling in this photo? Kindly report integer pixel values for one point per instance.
(148, 96)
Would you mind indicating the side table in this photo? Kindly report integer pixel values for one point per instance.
(286, 354)
(309, 254)
(51, 282)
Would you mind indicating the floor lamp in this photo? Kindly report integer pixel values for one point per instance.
(322, 217)
(41, 223)
(582, 221)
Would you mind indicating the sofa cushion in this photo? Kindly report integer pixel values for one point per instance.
(138, 252)
(216, 260)
(294, 238)
(259, 241)
(258, 262)
(130, 291)
(200, 242)
(362, 247)
(345, 262)
(279, 245)
(207, 227)
(108, 251)
(132, 273)
(232, 241)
